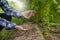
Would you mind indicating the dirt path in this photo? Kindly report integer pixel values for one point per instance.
(32, 34)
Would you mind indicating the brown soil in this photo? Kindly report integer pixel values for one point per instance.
(32, 34)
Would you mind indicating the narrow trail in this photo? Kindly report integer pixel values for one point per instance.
(32, 34)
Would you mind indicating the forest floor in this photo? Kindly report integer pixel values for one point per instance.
(33, 35)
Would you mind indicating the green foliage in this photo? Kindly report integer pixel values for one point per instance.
(45, 16)
(4, 34)
(39, 32)
(35, 5)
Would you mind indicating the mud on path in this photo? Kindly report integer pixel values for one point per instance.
(32, 34)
